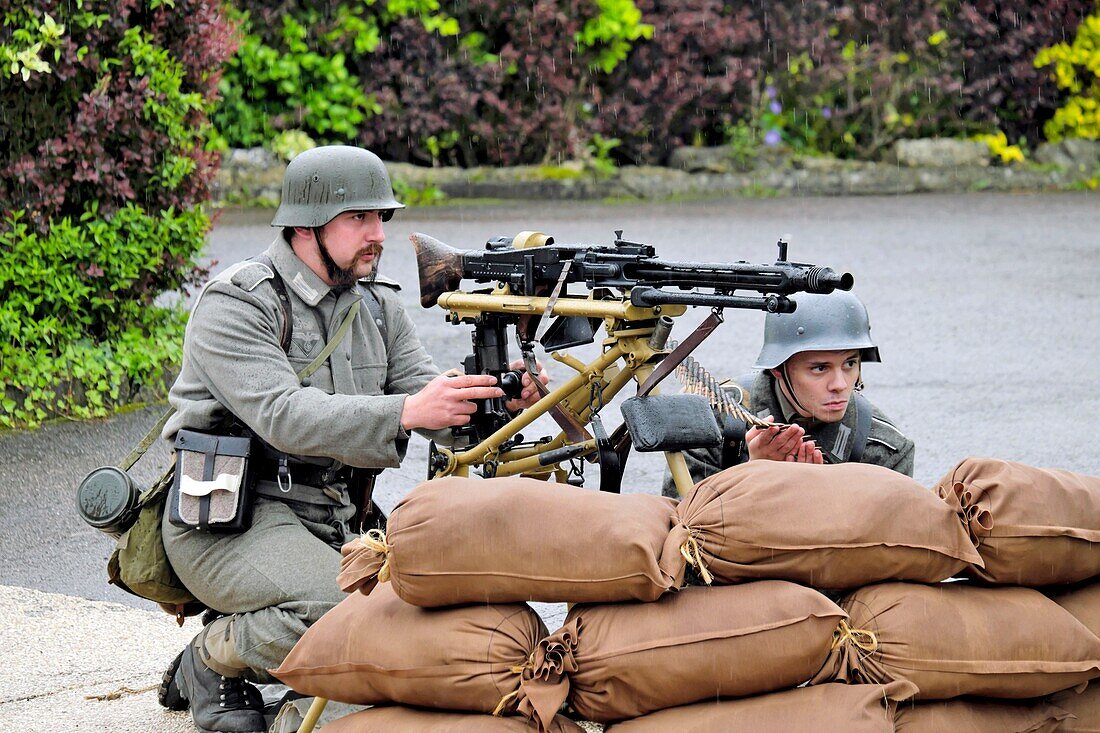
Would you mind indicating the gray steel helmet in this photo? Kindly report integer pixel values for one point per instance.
(834, 322)
(323, 182)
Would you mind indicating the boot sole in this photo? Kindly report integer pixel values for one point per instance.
(168, 693)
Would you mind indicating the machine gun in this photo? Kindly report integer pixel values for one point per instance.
(626, 286)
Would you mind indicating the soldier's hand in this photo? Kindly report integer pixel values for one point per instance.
(530, 394)
(808, 452)
(445, 401)
(774, 444)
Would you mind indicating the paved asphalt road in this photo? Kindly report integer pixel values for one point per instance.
(986, 308)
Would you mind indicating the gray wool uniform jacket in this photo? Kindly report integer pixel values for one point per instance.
(886, 445)
(349, 410)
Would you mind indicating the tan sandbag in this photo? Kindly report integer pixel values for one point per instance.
(1084, 705)
(955, 639)
(978, 716)
(1083, 603)
(818, 709)
(461, 540)
(372, 649)
(836, 527)
(397, 719)
(624, 660)
(1032, 526)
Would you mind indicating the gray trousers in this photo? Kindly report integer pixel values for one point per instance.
(277, 578)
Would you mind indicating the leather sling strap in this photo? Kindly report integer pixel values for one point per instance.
(863, 427)
(677, 355)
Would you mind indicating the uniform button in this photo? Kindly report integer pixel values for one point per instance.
(378, 321)
(348, 356)
(306, 382)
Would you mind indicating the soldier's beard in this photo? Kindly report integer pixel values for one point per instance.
(343, 277)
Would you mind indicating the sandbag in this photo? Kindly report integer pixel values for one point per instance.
(955, 639)
(460, 540)
(1032, 526)
(373, 649)
(836, 527)
(1084, 705)
(624, 660)
(1084, 605)
(397, 719)
(819, 709)
(978, 716)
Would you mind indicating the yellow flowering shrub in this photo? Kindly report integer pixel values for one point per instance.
(1076, 68)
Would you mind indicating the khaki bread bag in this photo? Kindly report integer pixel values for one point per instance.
(461, 540)
(955, 639)
(628, 659)
(397, 719)
(139, 563)
(818, 709)
(1032, 526)
(978, 716)
(373, 649)
(836, 527)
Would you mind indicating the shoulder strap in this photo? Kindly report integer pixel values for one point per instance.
(284, 301)
(375, 308)
(863, 427)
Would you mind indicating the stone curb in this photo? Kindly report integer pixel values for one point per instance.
(255, 176)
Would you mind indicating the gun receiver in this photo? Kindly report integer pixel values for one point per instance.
(532, 275)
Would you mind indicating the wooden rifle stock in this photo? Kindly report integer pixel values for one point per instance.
(440, 267)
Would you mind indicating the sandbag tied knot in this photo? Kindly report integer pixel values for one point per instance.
(553, 657)
(364, 562)
(515, 669)
(965, 499)
(544, 679)
(503, 704)
(693, 554)
(863, 639)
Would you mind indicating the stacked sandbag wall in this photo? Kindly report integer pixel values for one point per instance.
(910, 646)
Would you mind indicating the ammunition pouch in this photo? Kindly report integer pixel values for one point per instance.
(670, 422)
(212, 486)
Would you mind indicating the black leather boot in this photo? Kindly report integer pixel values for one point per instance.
(218, 704)
(168, 694)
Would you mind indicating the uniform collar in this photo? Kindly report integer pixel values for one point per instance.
(296, 274)
(790, 414)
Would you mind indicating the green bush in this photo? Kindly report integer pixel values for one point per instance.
(269, 89)
(294, 68)
(81, 328)
(101, 192)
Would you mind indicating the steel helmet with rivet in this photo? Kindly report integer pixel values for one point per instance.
(834, 322)
(323, 182)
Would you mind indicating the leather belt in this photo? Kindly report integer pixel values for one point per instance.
(310, 475)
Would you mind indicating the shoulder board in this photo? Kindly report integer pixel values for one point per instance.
(246, 275)
(380, 280)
